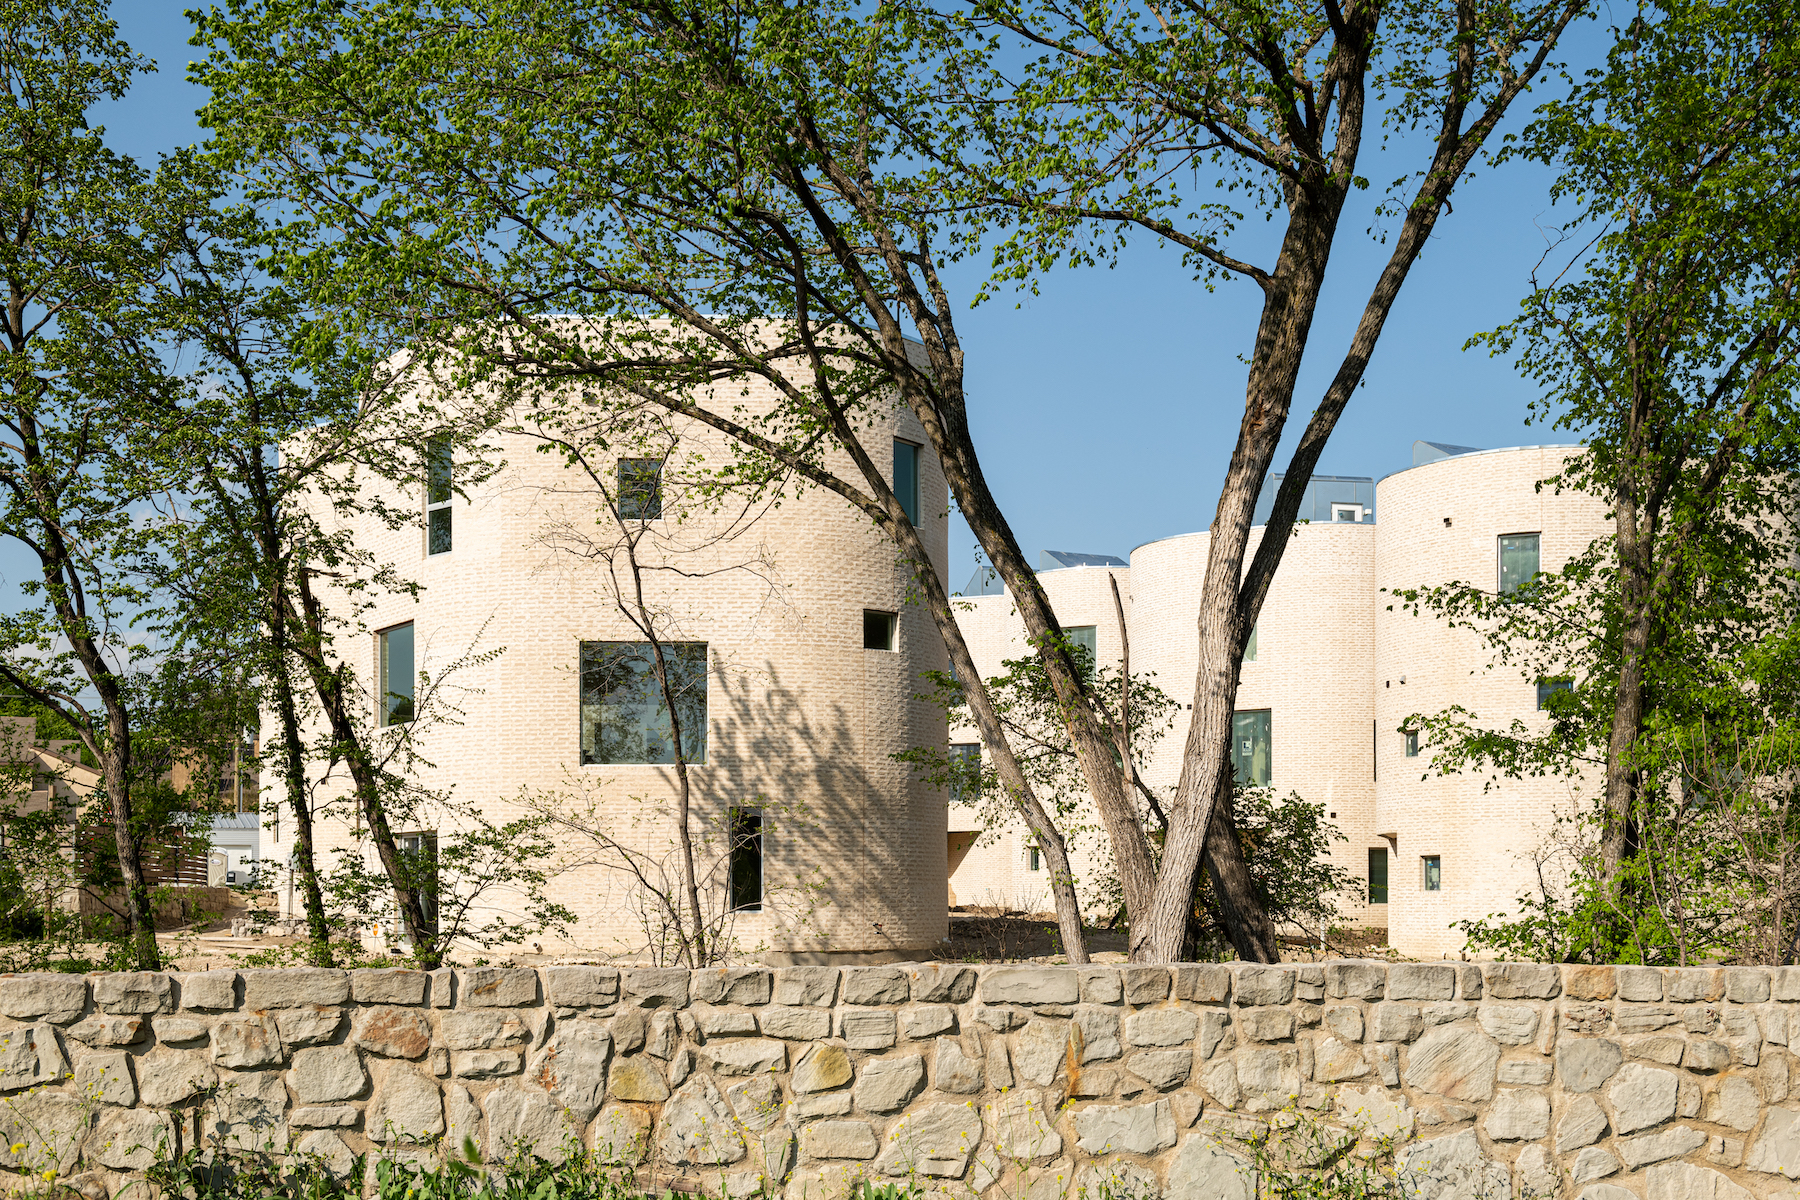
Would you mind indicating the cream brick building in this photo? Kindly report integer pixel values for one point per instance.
(800, 718)
(1337, 673)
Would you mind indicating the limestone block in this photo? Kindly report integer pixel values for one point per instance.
(630, 1028)
(1126, 1129)
(1453, 1166)
(1030, 985)
(875, 985)
(1509, 1024)
(57, 998)
(328, 1151)
(1583, 1064)
(485, 1030)
(1202, 1168)
(392, 1032)
(1641, 1097)
(134, 992)
(1269, 1076)
(130, 1139)
(1649, 1148)
(1454, 1061)
(1787, 983)
(936, 1141)
(889, 1084)
(1590, 1164)
(723, 1022)
(1203, 984)
(1333, 1061)
(527, 1121)
(796, 1024)
(1421, 981)
(1120, 1179)
(826, 1104)
(1000, 1019)
(1020, 1129)
(1706, 1056)
(1518, 1116)
(486, 1064)
(1665, 1049)
(309, 1025)
(1589, 982)
(955, 1071)
(942, 983)
(207, 991)
(1468, 981)
(1265, 1024)
(1727, 1152)
(999, 1064)
(756, 1101)
(1145, 985)
(246, 1042)
(1644, 1018)
(1444, 1012)
(248, 1111)
(109, 1031)
(1746, 985)
(839, 1139)
(46, 1128)
(813, 986)
(1375, 1112)
(496, 987)
(747, 986)
(1521, 981)
(105, 1077)
(407, 1106)
(872, 1030)
(637, 1079)
(622, 1133)
(1038, 1052)
(1700, 1018)
(1099, 1033)
(821, 1068)
(1640, 985)
(1586, 1018)
(328, 1074)
(928, 1021)
(1396, 1022)
(1734, 1104)
(1345, 1022)
(329, 1116)
(1686, 1181)
(168, 1077)
(1214, 1033)
(177, 1030)
(1263, 985)
(1536, 1172)
(1160, 1027)
(1221, 1082)
(1309, 982)
(1772, 1077)
(389, 986)
(1355, 980)
(1532, 1072)
(697, 1129)
(1776, 1150)
(1097, 1083)
(1606, 1191)
(291, 987)
(657, 987)
(1691, 985)
(443, 987)
(1386, 1061)
(1162, 1069)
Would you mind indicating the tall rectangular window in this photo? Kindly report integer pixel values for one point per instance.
(1518, 561)
(440, 473)
(1378, 883)
(965, 772)
(878, 629)
(1250, 738)
(1433, 867)
(906, 478)
(1082, 640)
(745, 868)
(419, 862)
(1412, 742)
(395, 677)
(624, 716)
(640, 488)
(1034, 859)
(1250, 644)
(1547, 688)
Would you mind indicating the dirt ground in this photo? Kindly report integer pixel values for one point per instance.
(989, 935)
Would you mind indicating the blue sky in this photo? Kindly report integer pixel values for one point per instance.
(1106, 406)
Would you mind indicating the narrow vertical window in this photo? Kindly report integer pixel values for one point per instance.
(419, 865)
(906, 478)
(1250, 747)
(965, 772)
(1034, 859)
(1085, 644)
(1518, 561)
(395, 706)
(1433, 873)
(878, 629)
(1412, 742)
(745, 869)
(640, 488)
(1250, 644)
(440, 471)
(1378, 883)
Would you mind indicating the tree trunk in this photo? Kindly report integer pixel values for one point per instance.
(1246, 919)
(293, 761)
(115, 770)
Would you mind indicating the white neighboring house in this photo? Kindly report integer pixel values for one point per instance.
(1329, 679)
(236, 850)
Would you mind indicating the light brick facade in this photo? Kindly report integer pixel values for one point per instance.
(1331, 660)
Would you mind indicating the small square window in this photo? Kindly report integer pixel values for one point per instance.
(1412, 742)
(906, 478)
(1378, 879)
(746, 860)
(1433, 873)
(878, 629)
(640, 488)
(1547, 688)
(395, 676)
(1518, 561)
(1347, 514)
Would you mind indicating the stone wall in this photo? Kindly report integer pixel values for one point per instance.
(1504, 1079)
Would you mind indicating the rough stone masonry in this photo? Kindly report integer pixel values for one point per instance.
(1500, 1079)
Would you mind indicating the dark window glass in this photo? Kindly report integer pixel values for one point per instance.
(440, 473)
(419, 864)
(965, 771)
(1412, 743)
(746, 860)
(640, 488)
(1250, 738)
(1034, 859)
(1518, 561)
(624, 717)
(1549, 687)
(1378, 882)
(1434, 873)
(906, 478)
(395, 706)
(1085, 645)
(1250, 644)
(878, 630)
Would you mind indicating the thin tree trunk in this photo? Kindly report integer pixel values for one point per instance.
(1246, 919)
(115, 770)
(293, 759)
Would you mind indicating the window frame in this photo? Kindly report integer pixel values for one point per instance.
(739, 818)
(1547, 688)
(960, 754)
(430, 897)
(696, 735)
(906, 490)
(630, 478)
(1431, 872)
(440, 494)
(1369, 881)
(384, 712)
(1268, 715)
(1500, 539)
(1409, 747)
(892, 620)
